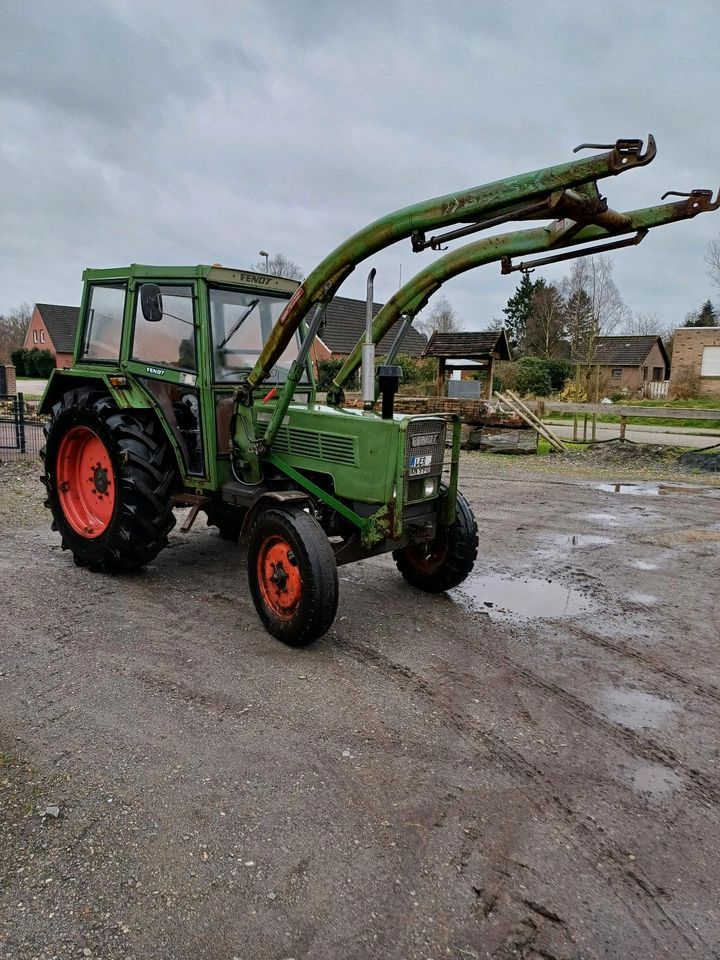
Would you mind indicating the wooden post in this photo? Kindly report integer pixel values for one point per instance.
(441, 377)
(575, 426)
(594, 424)
(623, 424)
(489, 380)
(585, 416)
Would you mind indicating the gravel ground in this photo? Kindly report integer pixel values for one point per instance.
(526, 767)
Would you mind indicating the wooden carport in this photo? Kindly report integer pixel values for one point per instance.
(468, 351)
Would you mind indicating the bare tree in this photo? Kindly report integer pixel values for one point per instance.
(546, 327)
(13, 328)
(442, 319)
(644, 325)
(596, 307)
(712, 259)
(279, 266)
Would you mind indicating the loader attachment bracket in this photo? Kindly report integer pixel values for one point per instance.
(624, 151)
(527, 266)
(700, 200)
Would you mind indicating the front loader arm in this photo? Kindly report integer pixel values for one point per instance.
(413, 296)
(515, 197)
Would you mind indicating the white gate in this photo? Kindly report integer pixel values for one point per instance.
(655, 389)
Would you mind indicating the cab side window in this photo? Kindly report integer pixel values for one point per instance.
(171, 341)
(103, 326)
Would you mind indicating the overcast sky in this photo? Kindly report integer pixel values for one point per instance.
(197, 132)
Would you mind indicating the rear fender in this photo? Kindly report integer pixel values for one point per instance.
(61, 381)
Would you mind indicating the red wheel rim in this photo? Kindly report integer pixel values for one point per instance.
(85, 482)
(278, 577)
(428, 557)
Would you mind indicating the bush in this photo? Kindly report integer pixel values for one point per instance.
(415, 372)
(685, 384)
(33, 363)
(504, 376)
(533, 377)
(328, 370)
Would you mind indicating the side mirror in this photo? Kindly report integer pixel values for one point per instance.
(151, 302)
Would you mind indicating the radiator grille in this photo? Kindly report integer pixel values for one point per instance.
(424, 438)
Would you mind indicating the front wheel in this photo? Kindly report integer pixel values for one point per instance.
(292, 575)
(446, 561)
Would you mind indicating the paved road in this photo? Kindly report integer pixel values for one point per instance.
(31, 388)
(695, 437)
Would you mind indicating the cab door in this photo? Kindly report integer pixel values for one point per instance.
(163, 358)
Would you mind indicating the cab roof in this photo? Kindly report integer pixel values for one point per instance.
(225, 276)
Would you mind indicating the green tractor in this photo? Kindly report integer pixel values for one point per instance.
(193, 387)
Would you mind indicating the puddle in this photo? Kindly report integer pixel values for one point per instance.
(604, 519)
(576, 540)
(635, 708)
(643, 564)
(509, 598)
(655, 779)
(652, 489)
(633, 489)
(556, 546)
(644, 599)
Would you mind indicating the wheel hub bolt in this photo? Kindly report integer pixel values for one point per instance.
(100, 479)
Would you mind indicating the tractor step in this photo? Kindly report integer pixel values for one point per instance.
(195, 501)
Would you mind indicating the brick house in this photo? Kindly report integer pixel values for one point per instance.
(344, 324)
(696, 352)
(52, 327)
(629, 362)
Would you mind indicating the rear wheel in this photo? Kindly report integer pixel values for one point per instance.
(446, 561)
(292, 575)
(108, 477)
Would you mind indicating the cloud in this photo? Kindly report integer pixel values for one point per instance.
(185, 133)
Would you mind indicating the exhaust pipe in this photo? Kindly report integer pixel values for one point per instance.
(368, 350)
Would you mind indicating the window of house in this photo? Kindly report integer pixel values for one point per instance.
(42, 336)
(616, 373)
(657, 373)
(103, 326)
(35, 336)
(710, 362)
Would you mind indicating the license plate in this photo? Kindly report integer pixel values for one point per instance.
(419, 466)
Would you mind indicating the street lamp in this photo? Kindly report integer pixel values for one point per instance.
(264, 253)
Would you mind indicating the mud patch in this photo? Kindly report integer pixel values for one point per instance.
(636, 708)
(510, 598)
(643, 564)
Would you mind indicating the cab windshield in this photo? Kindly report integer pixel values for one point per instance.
(241, 322)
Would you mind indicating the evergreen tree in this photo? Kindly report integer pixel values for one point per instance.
(519, 309)
(705, 317)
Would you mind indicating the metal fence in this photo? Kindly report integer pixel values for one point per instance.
(21, 428)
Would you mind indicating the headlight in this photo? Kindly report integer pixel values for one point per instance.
(430, 487)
